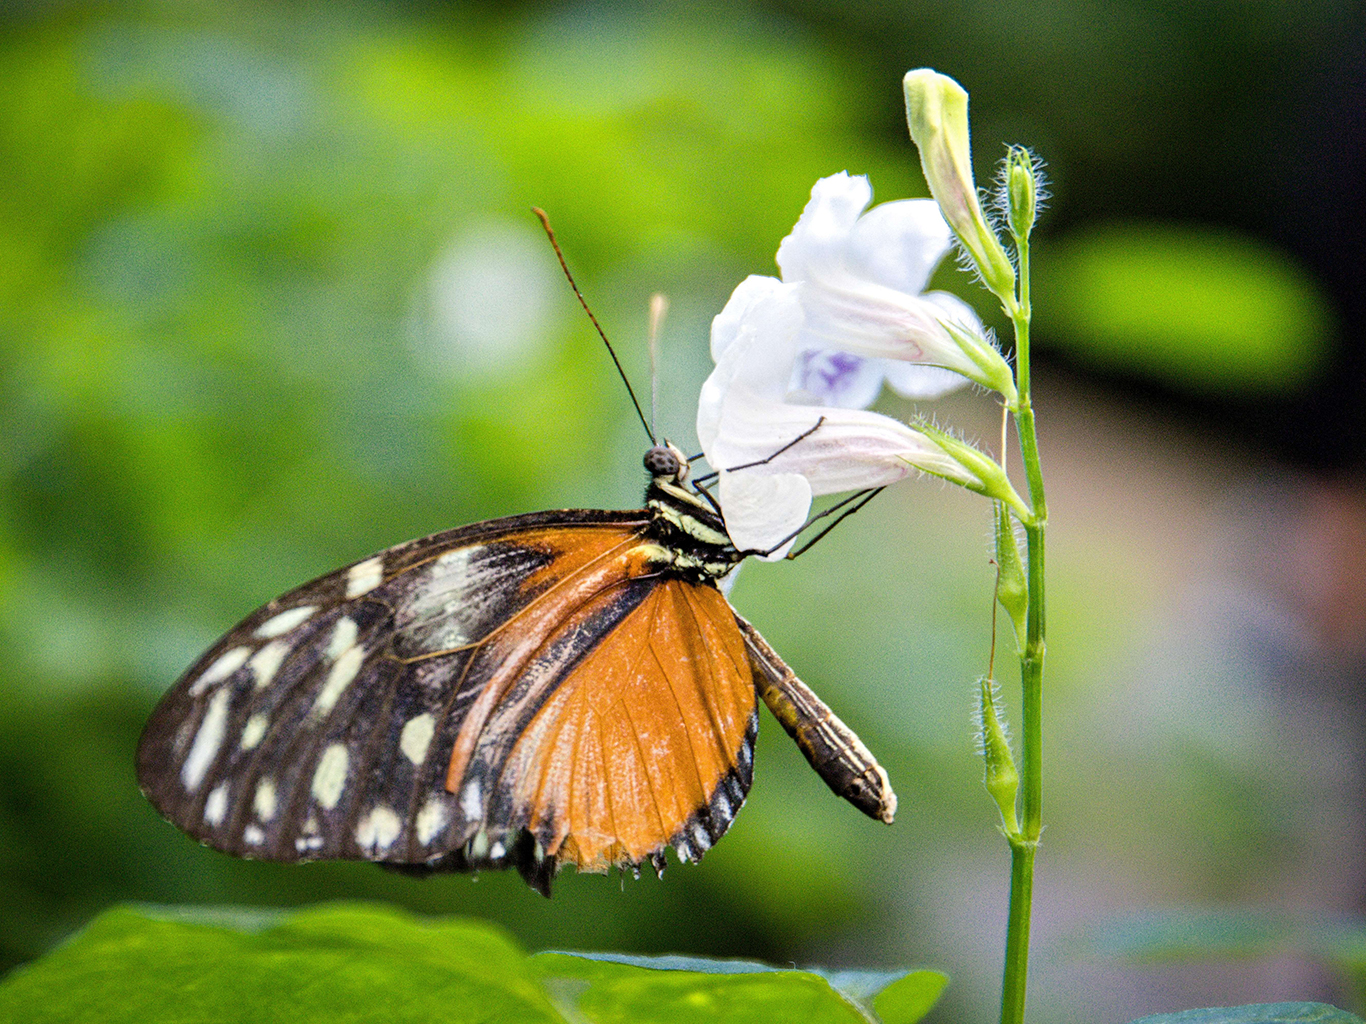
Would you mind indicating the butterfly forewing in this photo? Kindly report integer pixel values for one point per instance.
(489, 695)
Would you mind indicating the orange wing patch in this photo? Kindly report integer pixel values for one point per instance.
(646, 743)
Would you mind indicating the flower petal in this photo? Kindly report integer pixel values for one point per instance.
(822, 232)
(725, 326)
(920, 382)
(954, 309)
(757, 330)
(899, 244)
(762, 510)
(869, 319)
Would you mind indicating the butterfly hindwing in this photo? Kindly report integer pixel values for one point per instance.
(488, 695)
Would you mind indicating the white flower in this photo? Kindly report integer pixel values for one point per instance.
(781, 417)
(865, 315)
(747, 425)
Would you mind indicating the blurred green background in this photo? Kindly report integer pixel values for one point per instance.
(271, 298)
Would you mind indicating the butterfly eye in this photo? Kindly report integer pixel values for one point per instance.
(661, 461)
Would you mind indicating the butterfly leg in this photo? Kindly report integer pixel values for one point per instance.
(837, 754)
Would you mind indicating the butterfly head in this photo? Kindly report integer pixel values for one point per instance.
(666, 464)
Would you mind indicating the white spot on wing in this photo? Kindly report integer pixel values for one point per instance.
(329, 779)
(343, 637)
(496, 851)
(721, 803)
(440, 600)
(365, 576)
(225, 665)
(254, 731)
(310, 840)
(264, 802)
(431, 820)
(267, 661)
(377, 831)
(253, 836)
(280, 624)
(472, 802)
(338, 679)
(479, 845)
(216, 806)
(206, 741)
(451, 567)
(417, 737)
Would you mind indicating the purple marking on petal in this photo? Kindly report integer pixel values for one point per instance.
(836, 378)
(823, 372)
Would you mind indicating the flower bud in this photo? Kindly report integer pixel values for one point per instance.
(1022, 190)
(1011, 588)
(1001, 777)
(937, 115)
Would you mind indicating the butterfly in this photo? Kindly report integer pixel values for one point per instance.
(565, 687)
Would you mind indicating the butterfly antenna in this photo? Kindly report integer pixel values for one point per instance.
(550, 233)
(659, 308)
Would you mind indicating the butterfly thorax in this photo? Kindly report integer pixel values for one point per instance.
(690, 533)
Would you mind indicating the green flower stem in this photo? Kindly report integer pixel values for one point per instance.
(1024, 846)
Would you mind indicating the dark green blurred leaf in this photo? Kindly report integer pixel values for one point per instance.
(1196, 308)
(331, 964)
(617, 989)
(1258, 1013)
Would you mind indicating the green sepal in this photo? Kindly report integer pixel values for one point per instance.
(994, 372)
(987, 475)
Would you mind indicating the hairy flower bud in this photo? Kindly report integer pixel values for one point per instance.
(937, 115)
(1001, 778)
(1022, 189)
(1011, 588)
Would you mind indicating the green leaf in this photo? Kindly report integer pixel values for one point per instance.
(1259, 1013)
(356, 962)
(615, 989)
(1204, 310)
(334, 964)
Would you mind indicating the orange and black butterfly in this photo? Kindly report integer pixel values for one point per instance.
(556, 688)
